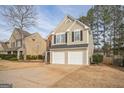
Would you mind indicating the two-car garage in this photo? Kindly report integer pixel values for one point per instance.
(69, 57)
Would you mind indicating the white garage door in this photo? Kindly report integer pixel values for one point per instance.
(58, 57)
(75, 57)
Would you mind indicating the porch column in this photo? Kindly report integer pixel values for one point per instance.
(18, 55)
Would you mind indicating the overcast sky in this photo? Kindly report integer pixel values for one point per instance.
(48, 18)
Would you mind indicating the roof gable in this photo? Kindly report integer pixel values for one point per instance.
(24, 33)
(63, 25)
(67, 23)
(35, 35)
(17, 34)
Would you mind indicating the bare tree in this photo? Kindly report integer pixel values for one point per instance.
(21, 17)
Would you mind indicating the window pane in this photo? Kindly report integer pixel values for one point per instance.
(62, 38)
(18, 43)
(77, 36)
(58, 39)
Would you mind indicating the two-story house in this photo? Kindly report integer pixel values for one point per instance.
(71, 43)
(24, 43)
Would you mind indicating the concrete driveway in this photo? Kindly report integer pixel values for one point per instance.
(35, 76)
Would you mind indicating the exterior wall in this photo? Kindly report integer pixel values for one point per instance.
(69, 28)
(84, 34)
(35, 45)
(85, 54)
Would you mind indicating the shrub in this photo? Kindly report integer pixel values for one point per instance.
(40, 57)
(97, 58)
(28, 57)
(8, 56)
(32, 57)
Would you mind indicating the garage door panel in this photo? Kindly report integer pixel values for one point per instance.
(58, 57)
(75, 57)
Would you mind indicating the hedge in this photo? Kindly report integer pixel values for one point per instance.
(11, 57)
(32, 57)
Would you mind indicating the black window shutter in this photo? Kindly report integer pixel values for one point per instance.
(66, 37)
(54, 39)
(72, 36)
(81, 35)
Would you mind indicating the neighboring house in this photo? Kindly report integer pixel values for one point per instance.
(24, 43)
(71, 43)
(3, 46)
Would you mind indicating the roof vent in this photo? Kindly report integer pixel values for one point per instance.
(67, 21)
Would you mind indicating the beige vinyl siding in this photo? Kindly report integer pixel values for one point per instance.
(63, 26)
(84, 38)
(69, 28)
(69, 37)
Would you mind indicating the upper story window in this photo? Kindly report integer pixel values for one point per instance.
(18, 43)
(77, 35)
(60, 39)
(13, 44)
